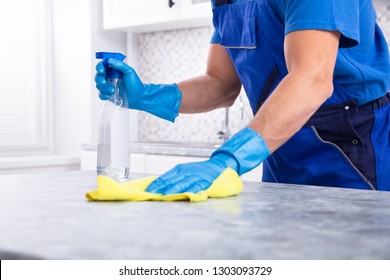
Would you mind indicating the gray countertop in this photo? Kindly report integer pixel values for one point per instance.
(47, 216)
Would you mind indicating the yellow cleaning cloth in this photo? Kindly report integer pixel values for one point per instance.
(228, 183)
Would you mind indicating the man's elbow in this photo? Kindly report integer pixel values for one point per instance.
(318, 81)
(232, 95)
(324, 87)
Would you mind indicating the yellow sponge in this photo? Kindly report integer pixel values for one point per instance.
(228, 183)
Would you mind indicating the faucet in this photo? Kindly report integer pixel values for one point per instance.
(224, 134)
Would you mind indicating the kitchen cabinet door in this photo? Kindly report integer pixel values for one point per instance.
(155, 15)
(125, 13)
(195, 9)
(159, 164)
(89, 159)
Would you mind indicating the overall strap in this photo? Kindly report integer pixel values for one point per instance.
(221, 2)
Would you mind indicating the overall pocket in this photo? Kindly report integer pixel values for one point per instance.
(308, 159)
(246, 44)
(239, 33)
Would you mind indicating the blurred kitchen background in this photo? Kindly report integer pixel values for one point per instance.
(49, 107)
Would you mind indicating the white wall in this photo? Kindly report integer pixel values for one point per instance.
(77, 35)
(71, 66)
(102, 40)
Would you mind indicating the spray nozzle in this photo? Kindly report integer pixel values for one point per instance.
(111, 73)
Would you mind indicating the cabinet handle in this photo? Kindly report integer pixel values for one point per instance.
(171, 3)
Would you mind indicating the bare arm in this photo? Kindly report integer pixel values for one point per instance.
(310, 57)
(217, 88)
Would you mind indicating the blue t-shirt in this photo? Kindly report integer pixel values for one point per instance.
(363, 65)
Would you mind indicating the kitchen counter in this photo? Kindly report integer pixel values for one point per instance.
(47, 217)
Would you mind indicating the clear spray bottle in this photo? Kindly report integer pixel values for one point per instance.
(113, 154)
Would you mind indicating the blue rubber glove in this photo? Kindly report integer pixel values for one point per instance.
(160, 100)
(243, 152)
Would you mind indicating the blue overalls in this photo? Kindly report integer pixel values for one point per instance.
(342, 145)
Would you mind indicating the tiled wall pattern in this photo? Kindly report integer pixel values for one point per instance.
(167, 57)
(383, 13)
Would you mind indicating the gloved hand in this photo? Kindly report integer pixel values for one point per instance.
(243, 152)
(160, 100)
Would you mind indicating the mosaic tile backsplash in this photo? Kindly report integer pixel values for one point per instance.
(171, 56)
(383, 13)
(167, 57)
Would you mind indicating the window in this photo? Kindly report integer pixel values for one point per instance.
(25, 77)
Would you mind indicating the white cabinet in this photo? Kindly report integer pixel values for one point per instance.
(195, 8)
(159, 164)
(155, 15)
(125, 13)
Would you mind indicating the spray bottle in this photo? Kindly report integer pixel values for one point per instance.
(113, 155)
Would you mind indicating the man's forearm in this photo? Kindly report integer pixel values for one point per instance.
(206, 93)
(218, 88)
